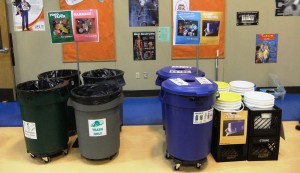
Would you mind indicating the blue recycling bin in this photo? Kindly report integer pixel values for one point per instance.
(174, 71)
(189, 104)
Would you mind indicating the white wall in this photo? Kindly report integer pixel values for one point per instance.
(35, 54)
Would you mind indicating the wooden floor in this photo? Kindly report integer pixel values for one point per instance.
(142, 150)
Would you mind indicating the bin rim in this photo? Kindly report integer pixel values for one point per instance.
(165, 74)
(193, 89)
(40, 76)
(95, 100)
(84, 75)
(62, 84)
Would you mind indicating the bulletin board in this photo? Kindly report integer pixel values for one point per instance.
(204, 51)
(104, 50)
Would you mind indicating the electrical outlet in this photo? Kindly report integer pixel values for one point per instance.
(137, 75)
(146, 75)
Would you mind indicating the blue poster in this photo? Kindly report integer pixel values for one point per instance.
(187, 29)
(266, 48)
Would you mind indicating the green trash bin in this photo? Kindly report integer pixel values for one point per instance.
(97, 108)
(43, 111)
(71, 76)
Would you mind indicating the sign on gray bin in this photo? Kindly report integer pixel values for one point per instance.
(97, 120)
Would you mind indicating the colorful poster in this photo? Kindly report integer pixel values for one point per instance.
(266, 48)
(179, 5)
(211, 22)
(143, 13)
(287, 8)
(247, 18)
(86, 25)
(144, 46)
(60, 23)
(233, 127)
(187, 29)
(28, 15)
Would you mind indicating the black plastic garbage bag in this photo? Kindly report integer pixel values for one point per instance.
(99, 76)
(95, 94)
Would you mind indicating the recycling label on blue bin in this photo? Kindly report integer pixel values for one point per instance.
(203, 80)
(29, 130)
(97, 127)
(203, 117)
(179, 82)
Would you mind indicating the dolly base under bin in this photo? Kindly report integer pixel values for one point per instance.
(102, 159)
(178, 162)
(46, 157)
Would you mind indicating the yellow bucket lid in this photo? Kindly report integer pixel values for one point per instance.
(222, 85)
(229, 97)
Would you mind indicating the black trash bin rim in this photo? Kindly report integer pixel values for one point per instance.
(84, 75)
(44, 74)
(114, 92)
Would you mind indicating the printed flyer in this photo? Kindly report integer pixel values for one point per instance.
(266, 48)
(60, 23)
(187, 28)
(247, 18)
(28, 15)
(211, 22)
(144, 46)
(233, 127)
(86, 25)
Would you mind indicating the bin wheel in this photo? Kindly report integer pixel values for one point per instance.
(198, 165)
(65, 152)
(32, 155)
(176, 166)
(46, 159)
(167, 155)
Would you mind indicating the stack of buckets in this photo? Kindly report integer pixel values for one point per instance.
(187, 105)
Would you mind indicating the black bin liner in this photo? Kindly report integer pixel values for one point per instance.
(65, 74)
(35, 88)
(100, 76)
(95, 94)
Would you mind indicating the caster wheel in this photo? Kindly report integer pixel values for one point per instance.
(46, 159)
(167, 156)
(32, 156)
(65, 152)
(176, 166)
(198, 165)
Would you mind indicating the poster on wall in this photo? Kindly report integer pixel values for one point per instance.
(144, 46)
(86, 25)
(60, 23)
(179, 5)
(211, 22)
(28, 15)
(266, 48)
(287, 8)
(247, 18)
(187, 28)
(143, 13)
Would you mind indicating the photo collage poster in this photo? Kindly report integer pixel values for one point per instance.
(266, 48)
(28, 15)
(144, 47)
(187, 29)
(143, 13)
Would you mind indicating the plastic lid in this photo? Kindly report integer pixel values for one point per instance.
(229, 97)
(177, 71)
(222, 85)
(190, 86)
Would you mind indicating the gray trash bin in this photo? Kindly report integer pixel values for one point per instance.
(97, 108)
